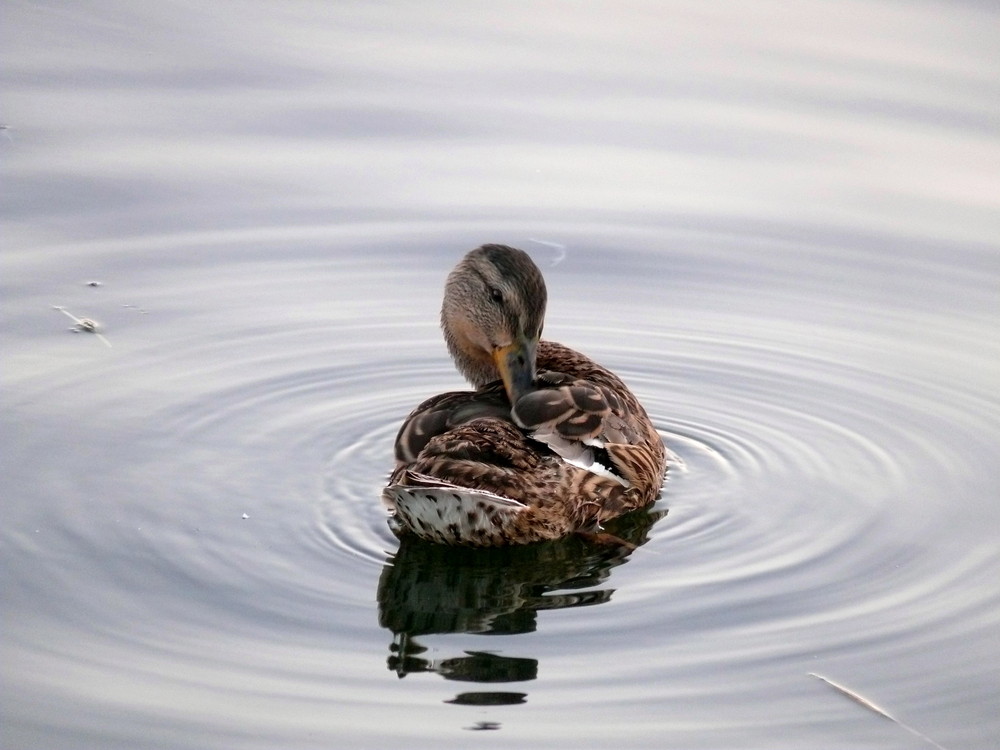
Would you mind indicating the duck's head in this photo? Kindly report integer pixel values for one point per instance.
(492, 315)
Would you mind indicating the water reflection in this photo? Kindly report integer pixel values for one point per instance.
(432, 589)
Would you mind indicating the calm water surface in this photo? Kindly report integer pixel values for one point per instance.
(778, 224)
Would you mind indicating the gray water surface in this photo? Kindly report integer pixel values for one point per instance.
(778, 223)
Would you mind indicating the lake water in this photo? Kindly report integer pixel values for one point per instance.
(777, 222)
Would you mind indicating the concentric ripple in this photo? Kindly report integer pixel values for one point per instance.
(777, 223)
(224, 512)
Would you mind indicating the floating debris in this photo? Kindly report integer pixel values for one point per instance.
(84, 325)
(95, 283)
(557, 247)
(245, 516)
(861, 700)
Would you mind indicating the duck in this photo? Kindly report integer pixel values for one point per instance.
(550, 443)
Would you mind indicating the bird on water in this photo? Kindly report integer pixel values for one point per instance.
(550, 443)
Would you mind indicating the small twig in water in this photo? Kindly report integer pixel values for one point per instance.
(559, 248)
(861, 700)
(84, 325)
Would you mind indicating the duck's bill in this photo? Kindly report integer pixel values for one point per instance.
(516, 364)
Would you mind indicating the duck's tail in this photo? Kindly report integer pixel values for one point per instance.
(439, 511)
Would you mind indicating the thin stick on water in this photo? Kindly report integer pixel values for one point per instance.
(558, 247)
(84, 325)
(861, 700)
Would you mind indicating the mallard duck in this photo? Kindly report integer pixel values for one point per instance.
(550, 442)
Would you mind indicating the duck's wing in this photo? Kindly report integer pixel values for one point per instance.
(587, 415)
(575, 409)
(576, 419)
(439, 414)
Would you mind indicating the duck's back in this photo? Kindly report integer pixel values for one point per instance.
(576, 451)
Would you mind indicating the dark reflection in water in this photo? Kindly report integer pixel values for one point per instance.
(488, 698)
(427, 588)
(474, 666)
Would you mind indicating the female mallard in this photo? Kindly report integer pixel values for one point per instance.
(550, 442)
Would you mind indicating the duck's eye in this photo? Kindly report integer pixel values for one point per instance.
(496, 294)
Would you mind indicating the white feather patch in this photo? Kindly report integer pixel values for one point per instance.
(579, 454)
(453, 515)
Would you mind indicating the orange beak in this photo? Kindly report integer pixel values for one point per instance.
(516, 364)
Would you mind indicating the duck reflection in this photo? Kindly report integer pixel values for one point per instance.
(432, 589)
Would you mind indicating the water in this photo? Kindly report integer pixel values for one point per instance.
(777, 224)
